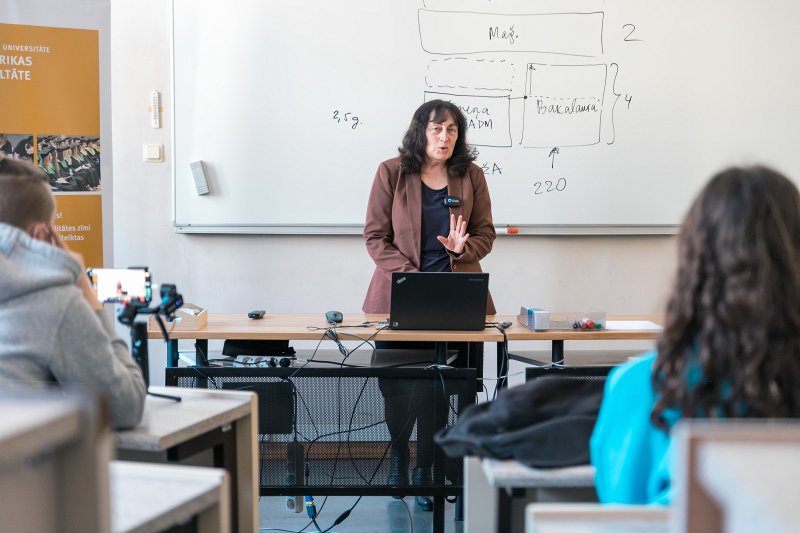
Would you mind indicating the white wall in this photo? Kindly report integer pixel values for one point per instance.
(620, 274)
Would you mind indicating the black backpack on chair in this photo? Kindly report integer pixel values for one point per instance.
(545, 423)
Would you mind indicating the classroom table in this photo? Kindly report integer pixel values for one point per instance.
(752, 483)
(735, 474)
(54, 452)
(197, 495)
(490, 484)
(373, 327)
(596, 518)
(312, 326)
(223, 421)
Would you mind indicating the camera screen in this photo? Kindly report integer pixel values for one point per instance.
(121, 285)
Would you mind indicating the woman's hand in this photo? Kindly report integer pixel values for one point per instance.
(458, 236)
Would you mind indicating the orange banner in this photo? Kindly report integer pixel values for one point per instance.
(50, 95)
(79, 220)
(49, 80)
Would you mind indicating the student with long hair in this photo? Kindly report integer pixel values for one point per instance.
(731, 341)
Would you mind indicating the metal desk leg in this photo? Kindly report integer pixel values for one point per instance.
(438, 514)
(172, 353)
(440, 352)
(558, 352)
(441, 403)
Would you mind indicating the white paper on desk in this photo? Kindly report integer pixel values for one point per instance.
(632, 325)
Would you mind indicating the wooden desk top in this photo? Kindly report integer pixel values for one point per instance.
(34, 424)
(311, 326)
(166, 423)
(519, 332)
(154, 497)
(513, 474)
(752, 482)
(564, 517)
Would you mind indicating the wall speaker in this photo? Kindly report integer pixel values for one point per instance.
(200, 177)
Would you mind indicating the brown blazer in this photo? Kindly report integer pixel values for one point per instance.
(394, 220)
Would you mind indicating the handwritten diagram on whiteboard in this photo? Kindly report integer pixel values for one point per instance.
(552, 104)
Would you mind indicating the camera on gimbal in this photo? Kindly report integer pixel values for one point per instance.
(170, 301)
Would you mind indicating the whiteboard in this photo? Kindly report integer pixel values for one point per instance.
(586, 115)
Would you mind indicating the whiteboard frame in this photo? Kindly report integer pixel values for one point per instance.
(358, 229)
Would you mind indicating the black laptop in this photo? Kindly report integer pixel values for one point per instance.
(439, 300)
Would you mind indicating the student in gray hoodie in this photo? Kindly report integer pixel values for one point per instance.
(52, 327)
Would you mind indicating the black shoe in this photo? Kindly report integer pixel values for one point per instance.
(398, 470)
(422, 476)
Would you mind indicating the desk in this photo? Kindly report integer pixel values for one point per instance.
(139, 502)
(735, 475)
(224, 421)
(296, 327)
(753, 483)
(489, 484)
(596, 518)
(285, 326)
(54, 452)
(557, 337)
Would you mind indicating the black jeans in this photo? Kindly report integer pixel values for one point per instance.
(410, 401)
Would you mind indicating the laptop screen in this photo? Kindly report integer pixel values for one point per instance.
(439, 300)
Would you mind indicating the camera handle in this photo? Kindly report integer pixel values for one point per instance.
(139, 349)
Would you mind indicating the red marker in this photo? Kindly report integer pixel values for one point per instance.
(508, 230)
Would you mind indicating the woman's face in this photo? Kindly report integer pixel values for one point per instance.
(440, 139)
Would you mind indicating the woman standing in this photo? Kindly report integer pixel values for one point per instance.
(410, 227)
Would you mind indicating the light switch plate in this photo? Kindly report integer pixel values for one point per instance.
(153, 152)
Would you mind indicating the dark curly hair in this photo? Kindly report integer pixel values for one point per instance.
(731, 342)
(412, 151)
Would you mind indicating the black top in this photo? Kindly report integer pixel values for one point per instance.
(435, 222)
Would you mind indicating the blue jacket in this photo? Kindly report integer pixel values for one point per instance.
(631, 456)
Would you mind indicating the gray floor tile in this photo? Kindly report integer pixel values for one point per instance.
(372, 514)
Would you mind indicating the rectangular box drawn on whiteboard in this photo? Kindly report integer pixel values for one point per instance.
(564, 105)
(452, 32)
(200, 179)
(471, 74)
(488, 117)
